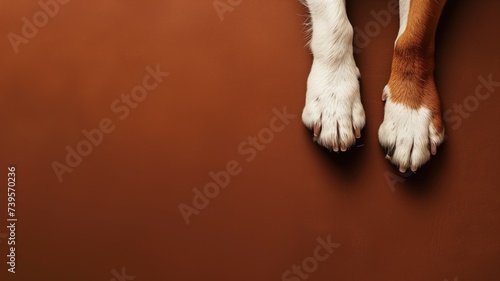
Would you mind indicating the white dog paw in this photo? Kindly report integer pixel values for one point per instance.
(333, 109)
(409, 135)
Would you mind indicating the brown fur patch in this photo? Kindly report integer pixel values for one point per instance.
(412, 74)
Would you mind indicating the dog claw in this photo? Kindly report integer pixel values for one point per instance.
(336, 148)
(317, 130)
(384, 96)
(433, 148)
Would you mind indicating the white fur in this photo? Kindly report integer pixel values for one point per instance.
(332, 98)
(404, 10)
(409, 132)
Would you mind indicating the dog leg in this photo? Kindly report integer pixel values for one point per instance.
(412, 127)
(333, 109)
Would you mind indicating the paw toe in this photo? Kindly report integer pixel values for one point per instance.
(358, 118)
(436, 137)
(419, 155)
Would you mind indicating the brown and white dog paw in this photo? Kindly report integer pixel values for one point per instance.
(412, 128)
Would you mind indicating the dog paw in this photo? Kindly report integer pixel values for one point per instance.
(333, 109)
(412, 129)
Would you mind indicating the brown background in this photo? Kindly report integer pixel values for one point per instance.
(119, 208)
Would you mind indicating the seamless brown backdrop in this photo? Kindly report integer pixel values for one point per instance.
(119, 207)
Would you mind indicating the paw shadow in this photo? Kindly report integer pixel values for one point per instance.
(345, 164)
